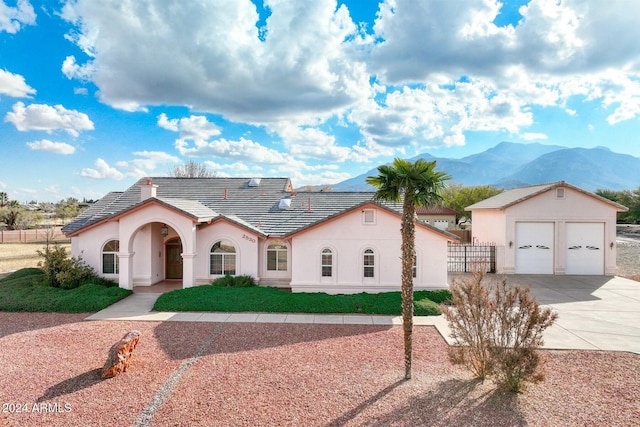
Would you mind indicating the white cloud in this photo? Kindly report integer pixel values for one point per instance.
(531, 136)
(146, 163)
(310, 142)
(13, 18)
(102, 171)
(242, 149)
(194, 127)
(436, 115)
(210, 56)
(74, 71)
(218, 167)
(47, 118)
(14, 85)
(80, 91)
(52, 147)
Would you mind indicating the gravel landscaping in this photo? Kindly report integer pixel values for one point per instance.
(197, 374)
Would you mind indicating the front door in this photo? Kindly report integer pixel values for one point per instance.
(174, 260)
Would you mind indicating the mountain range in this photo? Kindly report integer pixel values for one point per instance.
(509, 165)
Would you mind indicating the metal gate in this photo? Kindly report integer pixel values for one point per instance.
(464, 257)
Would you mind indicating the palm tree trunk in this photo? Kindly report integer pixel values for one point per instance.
(408, 256)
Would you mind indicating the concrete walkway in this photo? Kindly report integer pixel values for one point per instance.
(594, 313)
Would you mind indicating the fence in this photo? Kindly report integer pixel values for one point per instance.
(463, 258)
(33, 235)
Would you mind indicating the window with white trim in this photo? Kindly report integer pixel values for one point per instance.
(223, 258)
(369, 263)
(277, 256)
(327, 263)
(110, 257)
(415, 266)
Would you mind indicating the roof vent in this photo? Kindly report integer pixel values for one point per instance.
(284, 204)
(254, 182)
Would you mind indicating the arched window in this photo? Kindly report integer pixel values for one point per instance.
(327, 263)
(369, 263)
(223, 258)
(277, 256)
(110, 257)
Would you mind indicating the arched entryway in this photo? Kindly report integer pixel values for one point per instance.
(173, 261)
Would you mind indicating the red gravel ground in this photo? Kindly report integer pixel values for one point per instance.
(197, 374)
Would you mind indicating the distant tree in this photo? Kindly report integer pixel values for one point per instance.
(28, 219)
(416, 184)
(458, 197)
(4, 199)
(324, 188)
(628, 198)
(67, 209)
(191, 169)
(10, 213)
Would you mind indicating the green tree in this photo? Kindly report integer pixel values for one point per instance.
(67, 208)
(420, 185)
(458, 197)
(10, 213)
(628, 198)
(4, 199)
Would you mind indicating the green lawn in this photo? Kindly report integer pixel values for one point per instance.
(23, 291)
(270, 300)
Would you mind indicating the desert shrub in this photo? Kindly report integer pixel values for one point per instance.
(520, 323)
(244, 281)
(498, 330)
(55, 261)
(471, 322)
(62, 271)
(75, 274)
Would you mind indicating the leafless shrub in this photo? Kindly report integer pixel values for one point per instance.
(498, 329)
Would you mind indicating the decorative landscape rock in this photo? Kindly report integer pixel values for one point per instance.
(120, 355)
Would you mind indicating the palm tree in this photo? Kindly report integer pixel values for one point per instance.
(420, 185)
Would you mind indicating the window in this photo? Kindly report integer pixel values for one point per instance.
(110, 257)
(327, 263)
(369, 263)
(223, 258)
(277, 256)
(369, 216)
(559, 193)
(415, 267)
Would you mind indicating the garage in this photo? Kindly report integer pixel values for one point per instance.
(534, 247)
(554, 228)
(585, 248)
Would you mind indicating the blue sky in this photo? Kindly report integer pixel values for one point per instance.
(96, 94)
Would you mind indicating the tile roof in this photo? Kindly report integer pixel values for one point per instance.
(254, 207)
(519, 194)
(436, 210)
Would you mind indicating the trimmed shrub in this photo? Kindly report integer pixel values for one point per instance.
(498, 329)
(244, 281)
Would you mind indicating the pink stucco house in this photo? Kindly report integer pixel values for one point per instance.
(194, 230)
(554, 228)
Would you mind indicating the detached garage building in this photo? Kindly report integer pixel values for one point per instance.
(552, 228)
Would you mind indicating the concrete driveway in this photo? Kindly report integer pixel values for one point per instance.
(594, 312)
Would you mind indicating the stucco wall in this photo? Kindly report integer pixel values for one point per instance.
(245, 242)
(499, 226)
(348, 237)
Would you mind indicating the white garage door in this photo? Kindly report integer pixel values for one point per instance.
(585, 248)
(534, 248)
